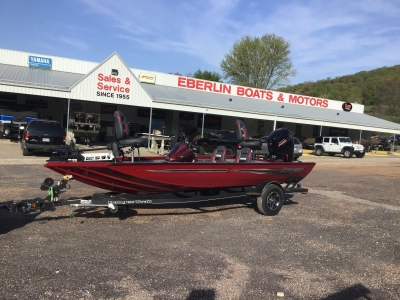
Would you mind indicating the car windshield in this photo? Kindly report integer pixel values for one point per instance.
(345, 140)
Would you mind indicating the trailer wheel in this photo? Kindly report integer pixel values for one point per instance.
(113, 210)
(271, 200)
(361, 155)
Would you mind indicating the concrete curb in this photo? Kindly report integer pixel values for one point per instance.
(373, 152)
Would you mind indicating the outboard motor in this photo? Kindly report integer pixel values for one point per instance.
(281, 144)
(180, 152)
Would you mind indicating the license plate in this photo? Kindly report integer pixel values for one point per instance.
(46, 140)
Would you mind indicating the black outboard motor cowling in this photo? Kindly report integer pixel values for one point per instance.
(281, 144)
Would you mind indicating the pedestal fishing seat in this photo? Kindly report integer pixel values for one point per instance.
(121, 132)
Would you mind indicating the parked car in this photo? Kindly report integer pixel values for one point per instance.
(337, 145)
(298, 148)
(264, 147)
(42, 135)
(395, 138)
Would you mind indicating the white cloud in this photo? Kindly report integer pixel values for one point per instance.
(77, 43)
(322, 34)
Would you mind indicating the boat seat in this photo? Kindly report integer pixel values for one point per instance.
(122, 139)
(244, 155)
(121, 130)
(219, 154)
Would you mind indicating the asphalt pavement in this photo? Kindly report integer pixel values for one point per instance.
(339, 241)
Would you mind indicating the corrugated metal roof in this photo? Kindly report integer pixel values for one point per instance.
(264, 109)
(36, 77)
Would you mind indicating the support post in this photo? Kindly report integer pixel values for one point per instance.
(202, 127)
(148, 140)
(69, 100)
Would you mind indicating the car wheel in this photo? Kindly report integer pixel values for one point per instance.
(347, 153)
(319, 151)
(7, 131)
(25, 151)
(229, 151)
(1, 135)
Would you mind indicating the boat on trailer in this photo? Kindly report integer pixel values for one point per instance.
(187, 176)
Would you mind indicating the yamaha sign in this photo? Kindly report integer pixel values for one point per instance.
(39, 62)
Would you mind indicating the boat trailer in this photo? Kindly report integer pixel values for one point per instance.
(269, 196)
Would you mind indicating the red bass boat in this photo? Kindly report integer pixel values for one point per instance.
(182, 172)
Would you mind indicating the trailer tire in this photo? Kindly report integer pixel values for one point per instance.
(271, 200)
(113, 210)
(361, 155)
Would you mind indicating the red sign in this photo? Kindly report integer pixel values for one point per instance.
(108, 109)
(222, 88)
(347, 106)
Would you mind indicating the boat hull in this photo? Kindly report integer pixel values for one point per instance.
(150, 176)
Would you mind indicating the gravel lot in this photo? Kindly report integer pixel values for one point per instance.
(340, 241)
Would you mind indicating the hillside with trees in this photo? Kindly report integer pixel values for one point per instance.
(378, 90)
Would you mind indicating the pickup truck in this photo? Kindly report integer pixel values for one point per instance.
(12, 124)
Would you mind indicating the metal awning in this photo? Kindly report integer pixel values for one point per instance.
(37, 78)
(268, 110)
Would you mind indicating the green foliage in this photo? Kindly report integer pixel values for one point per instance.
(207, 75)
(378, 90)
(258, 62)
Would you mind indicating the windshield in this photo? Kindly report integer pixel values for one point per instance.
(345, 140)
(46, 126)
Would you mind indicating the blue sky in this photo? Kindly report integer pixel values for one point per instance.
(329, 38)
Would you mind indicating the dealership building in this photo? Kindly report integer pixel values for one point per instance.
(58, 87)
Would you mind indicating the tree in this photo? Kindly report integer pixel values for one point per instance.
(259, 62)
(207, 75)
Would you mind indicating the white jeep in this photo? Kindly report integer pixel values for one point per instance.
(337, 145)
